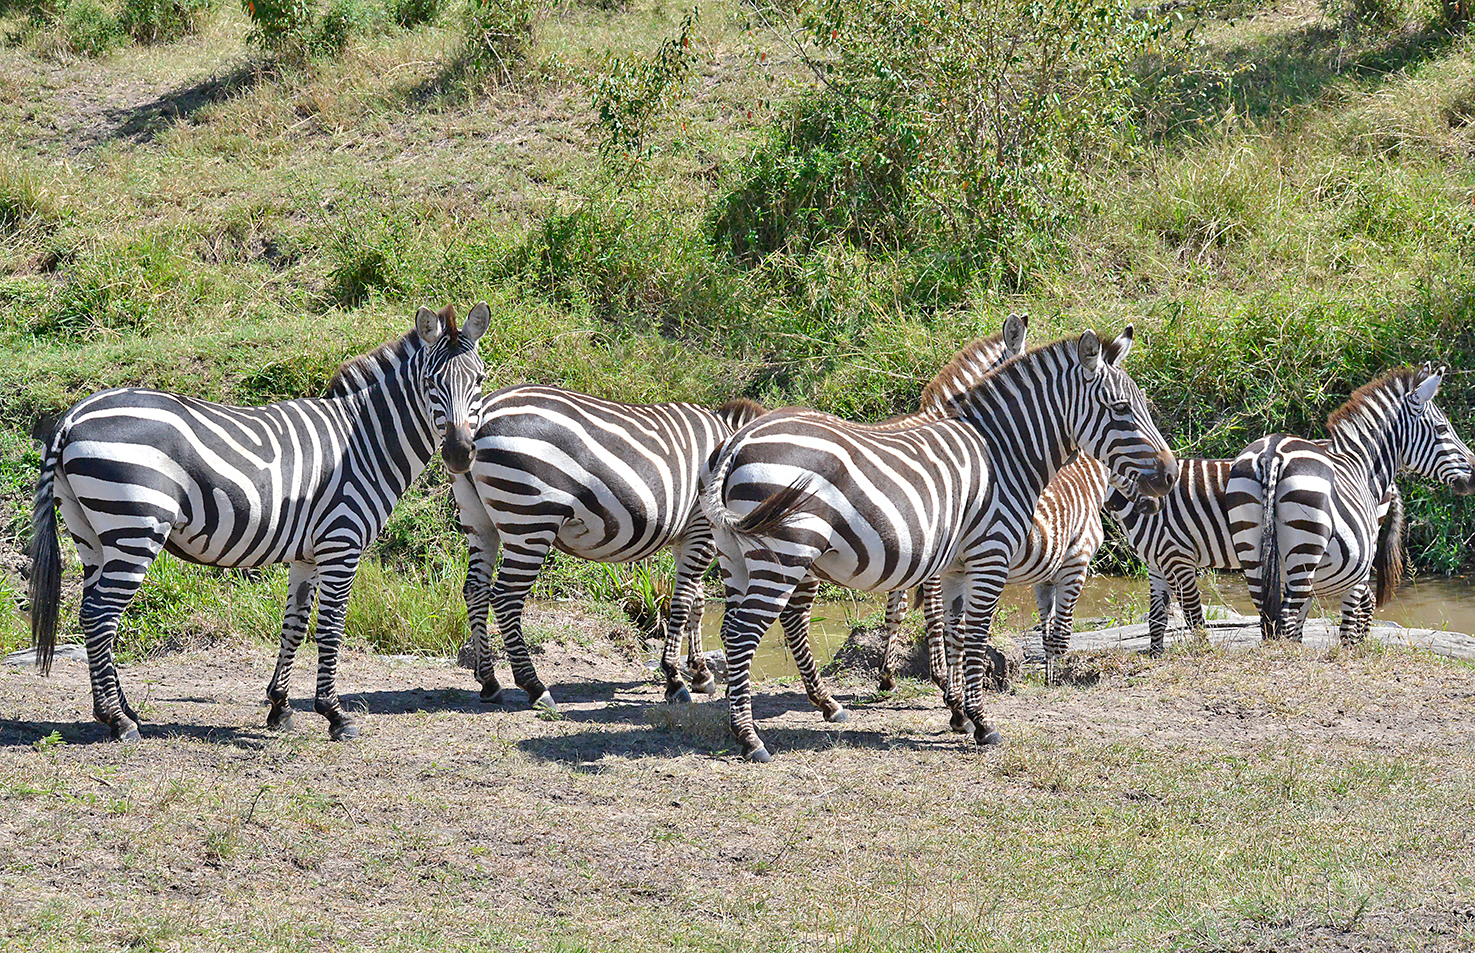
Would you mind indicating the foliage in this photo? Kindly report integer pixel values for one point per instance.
(630, 93)
(159, 21)
(74, 28)
(412, 13)
(972, 122)
(297, 31)
(499, 34)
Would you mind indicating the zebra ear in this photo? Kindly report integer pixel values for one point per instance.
(427, 325)
(1116, 351)
(1429, 386)
(1088, 348)
(1015, 328)
(477, 322)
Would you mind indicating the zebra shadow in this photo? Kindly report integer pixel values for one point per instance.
(657, 730)
(467, 699)
(26, 733)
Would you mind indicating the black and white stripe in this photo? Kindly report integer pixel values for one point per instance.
(1304, 515)
(799, 497)
(601, 480)
(307, 482)
(1063, 537)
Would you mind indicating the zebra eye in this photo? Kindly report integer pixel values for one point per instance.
(1121, 407)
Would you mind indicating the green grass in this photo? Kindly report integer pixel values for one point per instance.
(1293, 216)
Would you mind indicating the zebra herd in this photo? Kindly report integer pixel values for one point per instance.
(1000, 477)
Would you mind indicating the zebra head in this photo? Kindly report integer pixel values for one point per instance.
(1429, 443)
(450, 379)
(1113, 423)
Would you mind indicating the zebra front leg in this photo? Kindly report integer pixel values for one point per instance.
(794, 618)
(896, 610)
(522, 560)
(985, 582)
(1185, 584)
(1045, 601)
(702, 679)
(943, 616)
(1159, 610)
(693, 556)
(335, 581)
(300, 590)
(482, 543)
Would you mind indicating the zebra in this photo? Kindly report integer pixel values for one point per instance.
(605, 481)
(1321, 502)
(1064, 534)
(1188, 529)
(308, 482)
(799, 497)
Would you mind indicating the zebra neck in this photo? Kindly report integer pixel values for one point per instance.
(1023, 424)
(389, 432)
(1370, 447)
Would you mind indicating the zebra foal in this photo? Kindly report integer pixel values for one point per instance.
(798, 497)
(601, 480)
(308, 482)
(1304, 515)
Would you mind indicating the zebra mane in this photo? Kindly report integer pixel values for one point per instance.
(1055, 354)
(360, 373)
(963, 371)
(1364, 402)
(739, 411)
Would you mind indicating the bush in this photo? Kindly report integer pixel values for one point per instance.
(412, 13)
(73, 28)
(631, 92)
(991, 110)
(499, 34)
(159, 21)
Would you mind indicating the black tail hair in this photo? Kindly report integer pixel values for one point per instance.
(1388, 560)
(45, 561)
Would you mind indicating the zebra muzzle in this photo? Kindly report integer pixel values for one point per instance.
(458, 448)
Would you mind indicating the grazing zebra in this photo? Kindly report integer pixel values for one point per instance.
(604, 481)
(1188, 529)
(1064, 534)
(1321, 503)
(799, 497)
(307, 482)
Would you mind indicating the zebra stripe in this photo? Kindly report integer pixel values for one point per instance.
(308, 482)
(797, 497)
(604, 481)
(1321, 503)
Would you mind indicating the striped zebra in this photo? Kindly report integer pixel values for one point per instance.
(1064, 534)
(1321, 502)
(1188, 530)
(307, 482)
(799, 497)
(604, 481)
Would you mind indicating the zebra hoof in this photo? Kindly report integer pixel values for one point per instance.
(959, 725)
(1155, 651)
(545, 702)
(837, 717)
(759, 754)
(987, 735)
(707, 686)
(491, 696)
(280, 720)
(125, 732)
(680, 696)
(886, 683)
(343, 731)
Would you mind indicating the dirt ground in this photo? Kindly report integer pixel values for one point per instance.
(624, 823)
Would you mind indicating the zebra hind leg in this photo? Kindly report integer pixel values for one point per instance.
(896, 610)
(795, 621)
(104, 596)
(1357, 614)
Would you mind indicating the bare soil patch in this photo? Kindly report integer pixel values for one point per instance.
(1207, 801)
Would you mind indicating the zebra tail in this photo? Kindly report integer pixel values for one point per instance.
(774, 513)
(1272, 574)
(1388, 560)
(45, 561)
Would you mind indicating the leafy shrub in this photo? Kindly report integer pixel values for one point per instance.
(73, 28)
(992, 110)
(283, 28)
(499, 34)
(340, 23)
(412, 13)
(159, 21)
(631, 92)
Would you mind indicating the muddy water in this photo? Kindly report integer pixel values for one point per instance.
(1433, 603)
